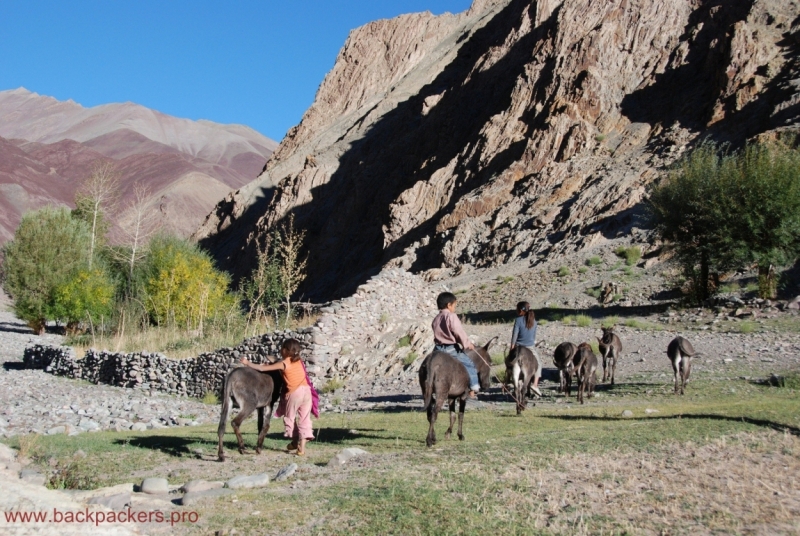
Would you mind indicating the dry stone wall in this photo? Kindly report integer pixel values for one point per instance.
(153, 371)
(381, 330)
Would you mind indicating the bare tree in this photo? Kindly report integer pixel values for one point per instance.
(96, 197)
(292, 267)
(139, 225)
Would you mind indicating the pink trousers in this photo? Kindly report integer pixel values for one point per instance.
(298, 408)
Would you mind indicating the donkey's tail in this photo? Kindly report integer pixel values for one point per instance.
(427, 389)
(489, 342)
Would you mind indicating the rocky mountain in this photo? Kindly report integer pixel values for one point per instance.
(47, 147)
(516, 130)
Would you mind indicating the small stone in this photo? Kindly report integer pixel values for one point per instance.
(33, 476)
(201, 485)
(7, 453)
(119, 501)
(627, 413)
(193, 497)
(245, 481)
(155, 486)
(650, 411)
(286, 472)
(138, 427)
(57, 430)
(345, 456)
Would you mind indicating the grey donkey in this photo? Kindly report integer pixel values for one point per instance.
(252, 390)
(680, 353)
(585, 370)
(521, 366)
(563, 360)
(610, 348)
(443, 378)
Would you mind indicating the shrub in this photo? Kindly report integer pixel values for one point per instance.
(747, 327)
(593, 261)
(502, 280)
(568, 319)
(404, 341)
(583, 321)
(410, 358)
(184, 287)
(384, 318)
(594, 292)
(332, 385)
(583, 270)
(563, 271)
(631, 254)
(210, 398)
(727, 210)
(610, 321)
(48, 250)
(499, 358)
(730, 288)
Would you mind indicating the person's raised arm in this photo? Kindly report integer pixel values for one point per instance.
(280, 365)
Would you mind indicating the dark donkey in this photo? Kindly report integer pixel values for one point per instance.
(585, 368)
(252, 390)
(563, 360)
(610, 348)
(442, 378)
(521, 365)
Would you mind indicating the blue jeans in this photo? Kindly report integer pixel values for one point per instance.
(451, 349)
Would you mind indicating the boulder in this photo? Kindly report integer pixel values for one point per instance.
(118, 501)
(201, 485)
(286, 472)
(155, 486)
(248, 481)
(346, 455)
(195, 496)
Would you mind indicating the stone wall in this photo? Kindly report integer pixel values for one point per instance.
(152, 371)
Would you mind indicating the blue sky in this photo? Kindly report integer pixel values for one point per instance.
(249, 62)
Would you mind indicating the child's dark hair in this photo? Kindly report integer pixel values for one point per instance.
(530, 317)
(444, 299)
(294, 347)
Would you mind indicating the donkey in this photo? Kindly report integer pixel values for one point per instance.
(563, 360)
(443, 378)
(521, 366)
(252, 390)
(585, 370)
(680, 353)
(610, 349)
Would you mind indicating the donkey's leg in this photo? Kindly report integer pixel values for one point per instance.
(614, 366)
(676, 368)
(452, 419)
(605, 365)
(247, 407)
(433, 412)
(262, 430)
(461, 405)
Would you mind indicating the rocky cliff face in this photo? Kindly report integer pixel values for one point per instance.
(515, 130)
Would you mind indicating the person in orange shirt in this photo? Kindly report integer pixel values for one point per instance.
(297, 394)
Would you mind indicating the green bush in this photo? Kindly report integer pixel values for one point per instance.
(747, 326)
(593, 261)
(331, 386)
(583, 270)
(88, 295)
(563, 271)
(183, 286)
(404, 341)
(631, 254)
(610, 321)
(729, 288)
(48, 250)
(583, 321)
(723, 211)
(410, 358)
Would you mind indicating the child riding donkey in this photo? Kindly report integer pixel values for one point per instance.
(449, 337)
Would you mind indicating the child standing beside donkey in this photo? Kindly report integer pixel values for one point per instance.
(449, 337)
(299, 399)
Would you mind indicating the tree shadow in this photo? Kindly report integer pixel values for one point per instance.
(554, 313)
(172, 445)
(16, 327)
(14, 365)
(694, 416)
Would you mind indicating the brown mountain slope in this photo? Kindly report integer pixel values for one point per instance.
(515, 130)
(186, 165)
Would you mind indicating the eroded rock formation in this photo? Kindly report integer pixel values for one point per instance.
(517, 129)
